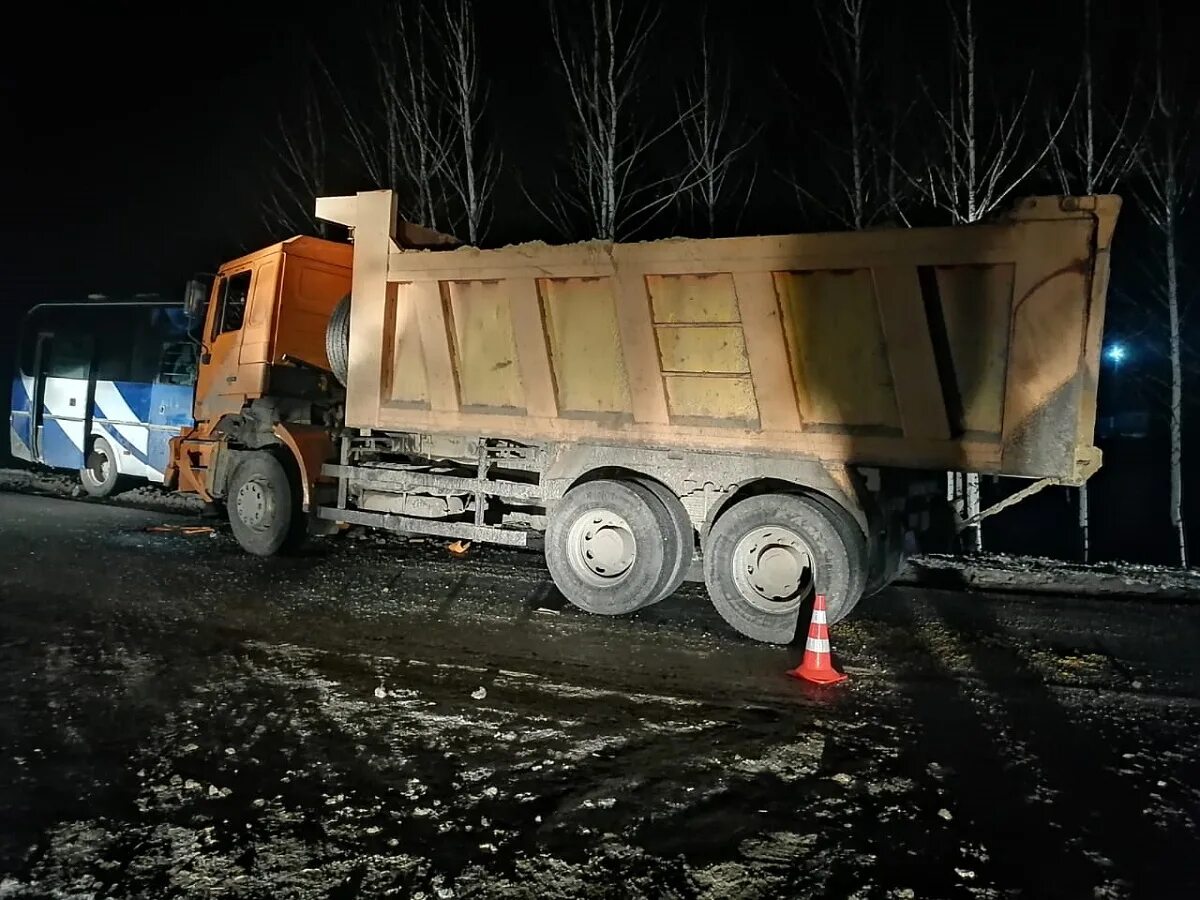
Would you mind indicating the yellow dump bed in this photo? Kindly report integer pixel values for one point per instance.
(971, 348)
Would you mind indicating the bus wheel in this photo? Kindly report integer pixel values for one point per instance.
(99, 475)
(264, 506)
(767, 555)
(609, 547)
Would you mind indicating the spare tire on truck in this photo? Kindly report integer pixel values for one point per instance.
(337, 340)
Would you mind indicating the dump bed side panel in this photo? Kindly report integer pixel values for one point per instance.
(970, 348)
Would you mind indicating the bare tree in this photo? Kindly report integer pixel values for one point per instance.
(1094, 153)
(399, 136)
(600, 53)
(858, 162)
(473, 163)
(982, 155)
(300, 148)
(714, 141)
(1167, 164)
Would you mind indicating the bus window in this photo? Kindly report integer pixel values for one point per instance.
(70, 356)
(178, 365)
(234, 294)
(146, 348)
(26, 350)
(113, 358)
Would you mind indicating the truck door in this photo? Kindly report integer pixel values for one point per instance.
(219, 371)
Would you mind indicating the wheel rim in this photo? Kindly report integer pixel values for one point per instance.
(99, 465)
(773, 569)
(601, 548)
(255, 504)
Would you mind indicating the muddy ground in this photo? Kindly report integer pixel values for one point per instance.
(374, 719)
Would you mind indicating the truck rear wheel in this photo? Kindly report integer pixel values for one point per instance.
(856, 544)
(681, 543)
(610, 547)
(767, 555)
(265, 512)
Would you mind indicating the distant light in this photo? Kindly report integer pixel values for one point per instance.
(1116, 354)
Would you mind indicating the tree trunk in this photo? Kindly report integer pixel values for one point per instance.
(974, 535)
(1084, 535)
(1176, 423)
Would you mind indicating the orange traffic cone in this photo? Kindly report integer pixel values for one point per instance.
(817, 666)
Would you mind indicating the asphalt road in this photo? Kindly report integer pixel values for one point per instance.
(372, 719)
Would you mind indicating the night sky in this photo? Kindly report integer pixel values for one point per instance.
(137, 143)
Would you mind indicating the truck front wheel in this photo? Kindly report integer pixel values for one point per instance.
(766, 557)
(265, 512)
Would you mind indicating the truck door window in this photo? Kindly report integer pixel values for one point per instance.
(235, 291)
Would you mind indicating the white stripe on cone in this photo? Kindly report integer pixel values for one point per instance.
(817, 645)
(818, 617)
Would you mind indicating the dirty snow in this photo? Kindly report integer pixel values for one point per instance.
(997, 571)
(184, 720)
(140, 494)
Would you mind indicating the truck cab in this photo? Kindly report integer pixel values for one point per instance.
(264, 383)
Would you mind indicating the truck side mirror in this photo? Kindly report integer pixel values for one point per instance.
(194, 296)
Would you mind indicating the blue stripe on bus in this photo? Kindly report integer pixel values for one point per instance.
(151, 404)
(20, 401)
(135, 395)
(114, 434)
(168, 405)
(172, 404)
(57, 449)
(21, 421)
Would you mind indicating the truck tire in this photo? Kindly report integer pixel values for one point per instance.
(682, 546)
(608, 544)
(264, 506)
(337, 340)
(852, 537)
(99, 475)
(767, 555)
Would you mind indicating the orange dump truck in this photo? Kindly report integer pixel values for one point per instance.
(780, 409)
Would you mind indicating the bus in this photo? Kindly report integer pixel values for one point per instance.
(101, 387)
